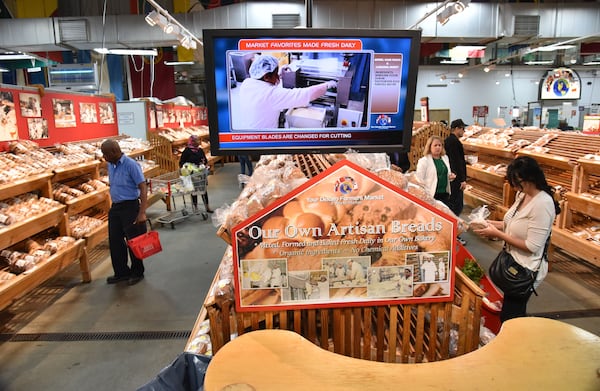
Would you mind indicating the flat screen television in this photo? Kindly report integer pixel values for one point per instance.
(367, 105)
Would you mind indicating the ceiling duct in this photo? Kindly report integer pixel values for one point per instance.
(73, 30)
(526, 25)
(280, 21)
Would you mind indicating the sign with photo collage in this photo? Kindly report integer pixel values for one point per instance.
(344, 238)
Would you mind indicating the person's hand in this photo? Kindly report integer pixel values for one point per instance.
(490, 231)
(463, 185)
(141, 218)
(331, 84)
(452, 176)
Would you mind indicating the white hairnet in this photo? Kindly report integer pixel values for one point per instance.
(263, 65)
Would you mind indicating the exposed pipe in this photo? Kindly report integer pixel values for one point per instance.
(309, 5)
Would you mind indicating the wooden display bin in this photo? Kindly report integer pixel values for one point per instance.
(393, 333)
(96, 236)
(23, 283)
(581, 214)
(26, 228)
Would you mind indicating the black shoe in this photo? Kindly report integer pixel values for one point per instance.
(115, 279)
(209, 210)
(134, 280)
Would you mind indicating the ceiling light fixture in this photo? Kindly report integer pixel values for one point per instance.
(541, 62)
(461, 74)
(455, 61)
(19, 56)
(153, 18)
(450, 10)
(456, 6)
(179, 63)
(4, 70)
(170, 28)
(489, 67)
(188, 42)
(127, 52)
(551, 48)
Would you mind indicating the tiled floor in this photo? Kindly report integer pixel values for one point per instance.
(66, 335)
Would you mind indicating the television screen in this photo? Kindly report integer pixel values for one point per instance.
(560, 84)
(310, 90)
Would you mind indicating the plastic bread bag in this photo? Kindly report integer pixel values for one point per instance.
(371, 161)
(485, 335)
(477, 219)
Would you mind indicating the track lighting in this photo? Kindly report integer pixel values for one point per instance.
(170, 28)
(161, 18)
(152, 18)
(451, 9)
(448, 7)
(188, 42)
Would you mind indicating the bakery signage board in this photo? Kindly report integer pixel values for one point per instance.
(344, 238)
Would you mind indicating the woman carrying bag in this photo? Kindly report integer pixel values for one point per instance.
(194, 154)
(526, 228)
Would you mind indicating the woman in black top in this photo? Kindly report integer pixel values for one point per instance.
(195, 155)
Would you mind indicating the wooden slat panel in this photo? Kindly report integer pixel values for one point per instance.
(381, 327)
(367, 340)
(393, 335)
(337, 327)
(357, 327)
(324, 328)
(420, 329)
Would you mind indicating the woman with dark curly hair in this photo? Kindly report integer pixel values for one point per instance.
(526, 226)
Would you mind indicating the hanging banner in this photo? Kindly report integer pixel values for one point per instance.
(344, 238)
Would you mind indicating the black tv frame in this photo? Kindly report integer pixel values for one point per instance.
(393, 143)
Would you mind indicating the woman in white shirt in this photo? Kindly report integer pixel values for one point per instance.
(526, 226)
(433, 169)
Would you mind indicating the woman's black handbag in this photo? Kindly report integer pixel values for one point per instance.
(511, 277)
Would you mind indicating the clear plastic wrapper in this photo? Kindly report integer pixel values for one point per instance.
(485, 335)
(477, 219)
(371, 161)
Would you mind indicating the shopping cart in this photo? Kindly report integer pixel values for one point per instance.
(174, 186)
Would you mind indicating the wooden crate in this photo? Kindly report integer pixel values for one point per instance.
(393, 333)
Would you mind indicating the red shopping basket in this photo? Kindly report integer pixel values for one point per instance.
(145, 245)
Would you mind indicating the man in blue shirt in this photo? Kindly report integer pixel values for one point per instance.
(127, 215)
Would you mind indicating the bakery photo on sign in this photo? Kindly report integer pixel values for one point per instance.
(344, 238)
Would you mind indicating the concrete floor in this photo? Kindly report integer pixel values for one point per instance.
(96, 336)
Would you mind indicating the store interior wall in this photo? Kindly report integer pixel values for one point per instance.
(518, 89)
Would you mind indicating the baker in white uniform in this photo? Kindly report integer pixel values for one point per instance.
(262, 98)
(357, 273)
